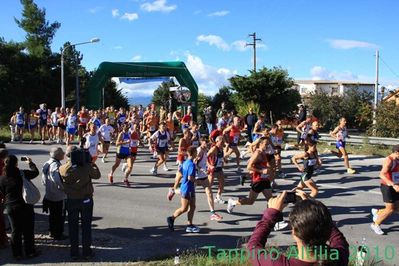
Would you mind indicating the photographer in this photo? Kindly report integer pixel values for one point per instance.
(312, 228)
(77, 174)
(3, 234)
(54, 199)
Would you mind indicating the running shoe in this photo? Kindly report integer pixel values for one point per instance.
(374, 213)
(219, 201)
(350, 171)
(216, 217)
(42, 142)
(171, 193)
(103, 160)
(242, 156)
(126, 182)
(153, 171)
(31, 141)
(280, 225)
(154, 156)
(230, 205)
(192, 229)
(124, 167)
(273, 184)
(110, 179)
(171, 223)
(242, 179)
(165, 168)
(377, 229)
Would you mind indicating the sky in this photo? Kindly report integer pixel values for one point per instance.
(312, 39)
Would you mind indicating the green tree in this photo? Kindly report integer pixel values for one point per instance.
(113, 96)
(39, 31)
(225, 95)
(270, 88)
(386, 121)
(203, 102)
(162, 93)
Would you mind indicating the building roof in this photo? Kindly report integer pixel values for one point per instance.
(333, 82)
(392, 94)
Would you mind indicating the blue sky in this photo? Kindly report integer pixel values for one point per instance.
(311, 39)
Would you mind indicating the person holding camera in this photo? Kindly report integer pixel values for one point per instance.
(312, 228)
(54, 199)
(77, 175)
(21, 214)
(3, 234)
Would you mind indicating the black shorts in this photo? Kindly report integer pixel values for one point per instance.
(122, 156)
(63, 127)
(162, 150)
(82, 127)
(258, 187)
(133, 155)
(270, 157)
(389, 195)
(42, 123)
(107, 142)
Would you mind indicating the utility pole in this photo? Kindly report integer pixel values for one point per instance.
(375, 91)
(253, 44)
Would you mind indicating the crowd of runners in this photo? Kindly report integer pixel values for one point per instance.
(200, 158)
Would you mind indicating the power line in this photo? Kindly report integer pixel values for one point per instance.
(254, 40)
(390, 69)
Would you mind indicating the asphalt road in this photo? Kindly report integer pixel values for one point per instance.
(130, 223)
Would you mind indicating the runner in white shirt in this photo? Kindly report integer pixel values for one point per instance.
(92, 141)
(106, 132)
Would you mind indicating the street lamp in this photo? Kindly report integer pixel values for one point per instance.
(62, 67)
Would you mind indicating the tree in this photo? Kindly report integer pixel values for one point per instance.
(162, 93)
(40, 32)
(223, 95)
(113, 96)
(386, 121)
(270, 88)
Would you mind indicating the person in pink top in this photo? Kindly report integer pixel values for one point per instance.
(312, 229)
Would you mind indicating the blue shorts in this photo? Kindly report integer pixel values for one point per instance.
(187, 194)
(340, 144)
(42, 123)
(30, 127)
(20, 125)
(71, 130)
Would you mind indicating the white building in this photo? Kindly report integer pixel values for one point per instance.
(332, 87)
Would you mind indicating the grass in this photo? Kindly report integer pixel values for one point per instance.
(363, 149)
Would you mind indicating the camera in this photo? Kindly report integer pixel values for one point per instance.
(290, 198)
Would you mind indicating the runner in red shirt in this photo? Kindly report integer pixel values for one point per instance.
(83, 117)
(234, 135)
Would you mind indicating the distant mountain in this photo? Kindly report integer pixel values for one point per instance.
(143, 100)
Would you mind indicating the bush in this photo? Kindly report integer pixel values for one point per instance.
(386, 121)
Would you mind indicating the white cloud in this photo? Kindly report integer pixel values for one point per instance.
(221, 13)
(214, 40)
(118, 47)
(136, 58)
(96, 9)
(115, 12)
(209, 79)
(130, 16)
(158, 6)
(322, 73)
(350, 44)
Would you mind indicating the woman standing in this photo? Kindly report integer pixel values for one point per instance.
(21, 215)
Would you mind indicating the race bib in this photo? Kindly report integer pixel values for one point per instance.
(236, 139)
(219, 162)
(264, 176)
(44, 116)
(311, 162)
(395, 177)
(162, 143)
(133, 143)
(20, 121)
(195, 143)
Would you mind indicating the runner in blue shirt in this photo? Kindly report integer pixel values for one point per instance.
(187, 192)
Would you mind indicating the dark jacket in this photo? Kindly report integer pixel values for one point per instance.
(262, 231)
(77, 180)
(11, 186)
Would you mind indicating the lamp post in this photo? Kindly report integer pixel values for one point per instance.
(62, 67)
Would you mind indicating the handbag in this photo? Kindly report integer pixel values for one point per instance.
(30, 193)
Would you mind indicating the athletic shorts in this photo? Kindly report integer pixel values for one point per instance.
(340, 144)
(216, 173)
(187, 194)
(258, 187)
(71, 131)
(107, 142)
(54, 126)
(63, 127)
(161, 150)
(389, 195)
(232, 145)
(122, 156)
(42, 123)
(82, 127)
(133, 154)
(306, 176)
(20, 125)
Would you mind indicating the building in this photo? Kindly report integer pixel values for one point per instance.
(393, 96)
(331, 87)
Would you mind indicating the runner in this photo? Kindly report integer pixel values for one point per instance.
(121, 117)
(196, 135)
(61, 125)
(161, 139)
(95, 119)
(184, 143)
(12, 125)
(32, 125)
(187, 192)
(54, 124)
(20, 121)
(93, 139)
(303, 129)
(259, 127)
(170, 125)
(106, 132)
(215, 167)
(42, 114)
(311, 161)
(215, 133)
(84, 118)
(186, 120)
(152, 122)
(340, 133)
(122, 153)
(71, 126)
(277, 136)
(234, 134)
(389, 179)
(134, 143)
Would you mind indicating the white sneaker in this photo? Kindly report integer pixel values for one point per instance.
(154, 156)
(219, 201)
(165, 168)
(230, 205)
(374, 213)
(124, 166)
(376, 229)
(31, 141)
(153, 171)
(280, 225)
(103, 160)
(192, 229)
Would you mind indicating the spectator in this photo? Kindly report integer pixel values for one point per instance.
(301, 116)
(21, 215)
(54, 199)
(312, 227)
(79, 190)
(3, 235)
(222, 109)
(209, 119)
(250, 120)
